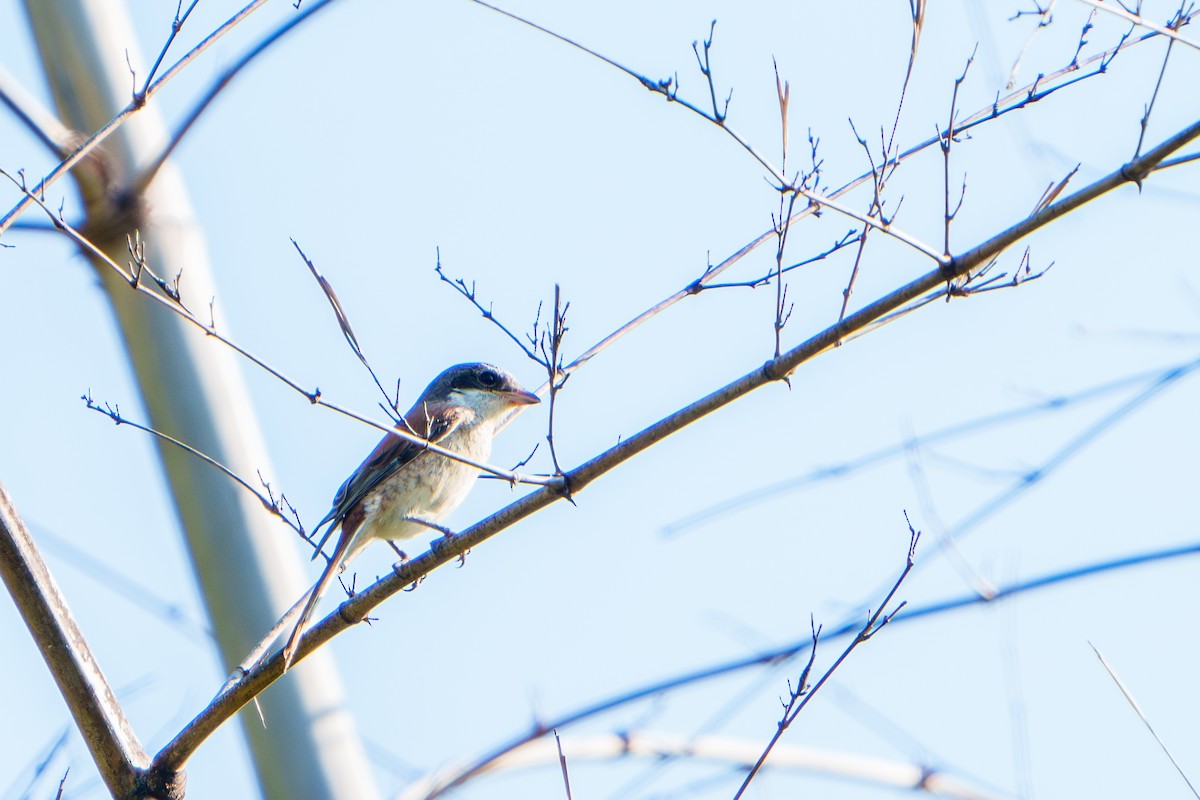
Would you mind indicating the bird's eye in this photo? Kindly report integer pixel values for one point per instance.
(488, 378)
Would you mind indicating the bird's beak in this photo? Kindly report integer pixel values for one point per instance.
(520, 397)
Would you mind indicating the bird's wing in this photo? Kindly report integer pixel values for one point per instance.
(435, 424)
(389, 455)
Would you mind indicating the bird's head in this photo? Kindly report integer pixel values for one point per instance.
(485, 389)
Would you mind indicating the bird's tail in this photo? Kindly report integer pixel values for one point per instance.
(331, 570)
(328, 532)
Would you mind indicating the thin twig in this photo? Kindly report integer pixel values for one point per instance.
(1045, 18)
(782, 311)
(313, 396)
(145, 177)
(176, 26)
(800, 647)
(94, 141)
(800, 694)
(1021, 98)
(280, 507)
(946, 143)
(562, 762)
(666, 87)
(391, 405)
(1137, 709)
(1145, 121)
(459, 285)
(551, 347)
(1170, 32)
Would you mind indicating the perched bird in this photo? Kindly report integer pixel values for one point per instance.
(403, 488)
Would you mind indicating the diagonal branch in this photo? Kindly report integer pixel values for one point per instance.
(1044, 86)
(38, 119)
(1172, 31)
(173, 304)
(135, 105)
(114, 746)
(147, 175)
(176, 753)
(802, 694)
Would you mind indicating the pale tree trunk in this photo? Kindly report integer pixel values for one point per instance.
(192, 388)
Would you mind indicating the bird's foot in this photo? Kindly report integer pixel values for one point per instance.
(438, 546)
(403, 555)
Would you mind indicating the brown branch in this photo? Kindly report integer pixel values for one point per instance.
(390, 406)
(1040, 89)
(119, 756)
(176, 753)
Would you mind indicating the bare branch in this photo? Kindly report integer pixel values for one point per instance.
(313, 396)
(1171, 32)
(460, 774)
(556, 378)
(177, 24)
(1137, 709)
(110, 738)
(659, 747)
(93, 141)
(391, 405)
(280, 507)
(175, 754)
(459, 285)
(147, 175)
(801, 695)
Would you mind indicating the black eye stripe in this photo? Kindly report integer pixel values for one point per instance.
(486, 378)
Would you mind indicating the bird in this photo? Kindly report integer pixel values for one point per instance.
(403, 488)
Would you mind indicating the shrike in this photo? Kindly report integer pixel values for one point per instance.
(403, 488)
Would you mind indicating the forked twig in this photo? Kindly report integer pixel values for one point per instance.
(281, 507)
(313, 396)
(800, 694)
(391, 405)
(94, 141)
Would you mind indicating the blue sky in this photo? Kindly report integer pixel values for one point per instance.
(381, 134)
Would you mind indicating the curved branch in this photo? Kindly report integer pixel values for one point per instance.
(444, 780)
(726, 750)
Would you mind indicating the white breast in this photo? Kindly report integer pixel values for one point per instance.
(428, 488)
